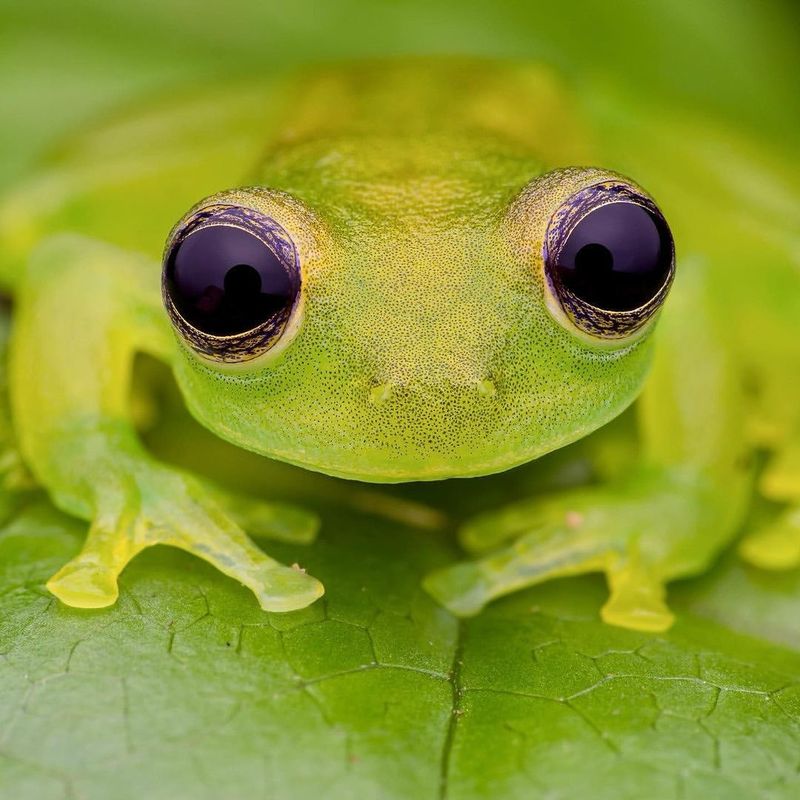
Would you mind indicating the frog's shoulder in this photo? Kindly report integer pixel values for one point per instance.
(146, 161)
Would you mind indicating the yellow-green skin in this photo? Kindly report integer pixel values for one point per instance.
(425, 344)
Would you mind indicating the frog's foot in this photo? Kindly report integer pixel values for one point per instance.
(776, 546)
(161, 506)
(636, 534)
(636, 597)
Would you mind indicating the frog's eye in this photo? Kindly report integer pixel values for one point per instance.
(231, 280)
(609, 259)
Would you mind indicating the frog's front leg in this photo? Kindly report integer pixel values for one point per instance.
(83, 310)
(667, 518)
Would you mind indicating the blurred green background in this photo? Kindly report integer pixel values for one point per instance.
(62, 63)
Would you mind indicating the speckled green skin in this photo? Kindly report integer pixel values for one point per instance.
(425, 345)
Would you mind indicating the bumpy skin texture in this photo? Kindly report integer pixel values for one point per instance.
(426, 342)
(424, 347)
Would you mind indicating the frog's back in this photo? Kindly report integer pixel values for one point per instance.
(521, 102)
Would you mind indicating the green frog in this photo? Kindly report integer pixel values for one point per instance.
(407, 270)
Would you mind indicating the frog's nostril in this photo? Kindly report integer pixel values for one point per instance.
(380, 394)
(486, 388)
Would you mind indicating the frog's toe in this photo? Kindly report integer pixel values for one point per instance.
(283, 522)
(83, 584)
(461, 589)
(781, 478)
(280, 521)
(636, 600)
(286, 589)
(206, 529)
(776, 546)
(90, 579)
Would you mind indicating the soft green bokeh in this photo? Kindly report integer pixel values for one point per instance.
(61, 63)
(186, 689)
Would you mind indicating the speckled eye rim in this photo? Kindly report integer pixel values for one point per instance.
(249, 344)
(603, 324)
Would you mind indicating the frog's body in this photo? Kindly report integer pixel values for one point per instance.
(424, 342)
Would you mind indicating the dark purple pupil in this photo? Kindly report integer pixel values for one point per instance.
(224, 280)
(617, 257)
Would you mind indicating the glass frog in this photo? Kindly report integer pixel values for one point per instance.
(403, 271)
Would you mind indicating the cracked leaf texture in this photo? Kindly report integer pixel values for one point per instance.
(186, 689)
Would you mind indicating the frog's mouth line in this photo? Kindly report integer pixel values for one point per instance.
(434, 473)
(441, 471)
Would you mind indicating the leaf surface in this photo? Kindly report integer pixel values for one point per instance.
(186, 689)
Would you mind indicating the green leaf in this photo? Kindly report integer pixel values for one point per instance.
(186, 689)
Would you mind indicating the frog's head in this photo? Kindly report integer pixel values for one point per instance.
(427, 330)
